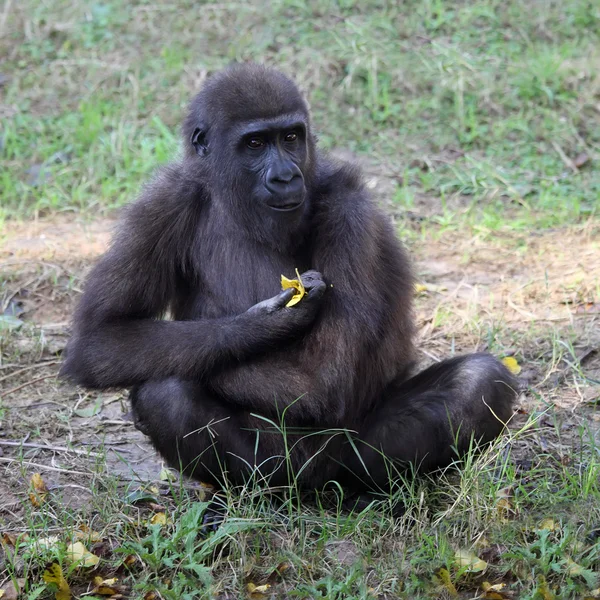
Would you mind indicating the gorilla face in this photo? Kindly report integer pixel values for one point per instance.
(272, 154)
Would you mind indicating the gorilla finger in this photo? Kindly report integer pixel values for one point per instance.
(310, 278)
(284, 297)
(317, 291)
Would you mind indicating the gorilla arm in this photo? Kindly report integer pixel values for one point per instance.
(117, 339)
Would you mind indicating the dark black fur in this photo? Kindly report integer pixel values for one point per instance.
(206, 242)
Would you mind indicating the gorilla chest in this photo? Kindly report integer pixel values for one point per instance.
(233, 277)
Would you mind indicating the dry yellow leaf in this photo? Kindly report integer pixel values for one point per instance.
(53, 574)
(543, 589)
(258, 589)
(129, 561)
(105, 587)
(166, 475)
(468, 561)
(573, 568)
(79, 554)
(493, 592)
(510, 362)
(150, 596)
(85, 533)
(39, 490)
(297, 285)
(548, 524)
(159, 519)
(443, 577)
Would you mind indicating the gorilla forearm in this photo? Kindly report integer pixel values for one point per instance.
(122, 354)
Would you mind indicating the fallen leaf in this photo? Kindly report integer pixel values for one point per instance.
(548, 524)
(54, 575)
(504, 506)
(166, 475)
(510, 362)
(79, 554)
(9, 591)
(159, 519)
(468, 561)
(85, 533)
(129, 560)
(573, 568)
(105, 587)
(10, 539)
(256, 591)
(423, 288)
(150, 596)
(295, 284)
(444, 579)
(39, 490)
(543, 589)
(283, 567)
(493, 592)
(587, 308)
(581, 159)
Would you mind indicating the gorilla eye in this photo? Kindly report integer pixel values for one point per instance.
(255, 142)
(292, 136)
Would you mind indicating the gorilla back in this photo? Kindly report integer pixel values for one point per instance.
(216, 387)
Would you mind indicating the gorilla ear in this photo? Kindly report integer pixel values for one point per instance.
(199, 141)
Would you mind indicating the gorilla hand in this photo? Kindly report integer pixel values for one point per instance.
(299, 316)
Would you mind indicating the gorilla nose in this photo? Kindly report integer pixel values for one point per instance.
(284, 182)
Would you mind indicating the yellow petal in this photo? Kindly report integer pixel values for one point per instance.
(510, 362)
(78, 553)
(295, 284)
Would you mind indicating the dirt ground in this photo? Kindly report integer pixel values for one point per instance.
(536, 297)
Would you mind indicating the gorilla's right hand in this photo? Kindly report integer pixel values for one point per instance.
(300, 315)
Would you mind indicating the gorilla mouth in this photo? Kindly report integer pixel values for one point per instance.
(287, 206)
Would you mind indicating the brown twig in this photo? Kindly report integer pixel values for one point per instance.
(20, 387)
(46, 447)
(568, 162)
(19, 371)
(43, 467)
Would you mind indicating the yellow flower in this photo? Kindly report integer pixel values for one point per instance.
(295, 284)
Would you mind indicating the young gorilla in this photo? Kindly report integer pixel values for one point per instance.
(252, 199)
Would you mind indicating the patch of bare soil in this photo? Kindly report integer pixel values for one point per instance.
(532, 296)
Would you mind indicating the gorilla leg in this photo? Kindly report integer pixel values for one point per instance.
(425, 420)
(192, 431)
(210, 439)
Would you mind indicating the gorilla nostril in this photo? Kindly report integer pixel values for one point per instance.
(283, 178)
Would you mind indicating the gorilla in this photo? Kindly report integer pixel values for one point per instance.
(227, 380)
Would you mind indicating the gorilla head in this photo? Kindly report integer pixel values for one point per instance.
(248, 134)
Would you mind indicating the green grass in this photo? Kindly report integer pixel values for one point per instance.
(483, 97)
(531, 524)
